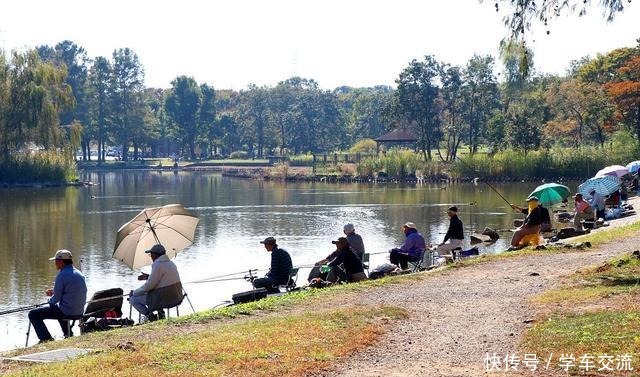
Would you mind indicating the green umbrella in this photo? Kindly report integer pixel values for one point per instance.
(551, 193)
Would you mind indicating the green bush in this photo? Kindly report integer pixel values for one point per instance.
(364, 146)
(400, 163)
(555, 162)
(38, 167)
(239, 155)
(301, 160)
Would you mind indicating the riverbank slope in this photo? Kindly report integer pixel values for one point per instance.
(440, 323)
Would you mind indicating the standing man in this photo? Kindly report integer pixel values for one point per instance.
(597, 203)
(162, 288)
(67, 297)
(455, 233)
(281, 266)
(410, 250)
(583, 212)
(355, 240)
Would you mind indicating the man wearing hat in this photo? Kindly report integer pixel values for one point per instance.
(411, 249)
(455, 233)
(355, 240)
(281, 266)
(532, 223)
(346, 257)
(583, 212)
(67, 297)
(162, 288)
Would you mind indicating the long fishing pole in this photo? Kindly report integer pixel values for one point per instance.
(488, 184)
(22, 309)
(496, 191)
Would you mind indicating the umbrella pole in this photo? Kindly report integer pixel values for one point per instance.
(153, 230)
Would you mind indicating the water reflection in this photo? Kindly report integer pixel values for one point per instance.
(234, 216)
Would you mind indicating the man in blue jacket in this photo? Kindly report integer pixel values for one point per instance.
(281, 266)
(410, 251)
(67, 297)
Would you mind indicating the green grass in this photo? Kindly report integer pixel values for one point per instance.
(288, 345)
(44, 166)
(609, 235)
(611, 332)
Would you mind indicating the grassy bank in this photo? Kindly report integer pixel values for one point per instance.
(37, 167)
(595, 312)
(290, 345)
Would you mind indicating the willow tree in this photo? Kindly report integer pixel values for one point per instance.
(33, 93)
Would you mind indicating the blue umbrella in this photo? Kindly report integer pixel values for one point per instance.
(604, 185)
(633, 167)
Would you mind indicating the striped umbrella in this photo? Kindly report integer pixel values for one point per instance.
(633, 167)
(605, 185)
(551, 193)
(613, 170)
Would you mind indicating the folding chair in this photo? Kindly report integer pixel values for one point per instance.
(365, 262)
(416, 264)
(291, 283)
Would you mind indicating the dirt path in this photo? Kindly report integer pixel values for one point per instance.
(460, 315)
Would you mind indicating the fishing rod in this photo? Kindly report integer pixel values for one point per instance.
(22, 309)
(487, 183)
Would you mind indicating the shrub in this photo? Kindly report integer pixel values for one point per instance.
(45, 166)
(239, 155)
(364, 146)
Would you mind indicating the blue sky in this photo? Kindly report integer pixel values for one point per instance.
(230, 44)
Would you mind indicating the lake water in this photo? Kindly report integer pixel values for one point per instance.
(234, 216)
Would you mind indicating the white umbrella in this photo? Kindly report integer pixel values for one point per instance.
(613, 170)
(172, 226)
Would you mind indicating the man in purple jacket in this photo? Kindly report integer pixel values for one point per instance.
(413, 246)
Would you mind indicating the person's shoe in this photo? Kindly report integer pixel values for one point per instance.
(152, 317)
(160, 314)
(45, 341)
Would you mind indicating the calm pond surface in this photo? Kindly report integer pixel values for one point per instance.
(234, 216)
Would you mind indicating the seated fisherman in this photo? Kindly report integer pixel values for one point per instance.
(546, 218)
(355, 240)
(162, 288)
(532, 223)
(583, 212)
(410, 251)
(281, 266)
(455, 233)
(345, 264)
(67, 297)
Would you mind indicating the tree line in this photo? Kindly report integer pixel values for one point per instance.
(58, 98)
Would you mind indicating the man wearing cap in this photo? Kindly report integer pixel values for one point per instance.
(281, 266)
(532, 223)
(583, 212)
(67, 297)
(355, 240)
(162, 288)
(455, 233)
(410, 251)
(346, 257)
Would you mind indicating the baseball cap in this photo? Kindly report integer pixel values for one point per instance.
(156, 249)
(453, 209)
(533, 198)
(341, 239)
(269, 241)
(62, 254)
(349, 227)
